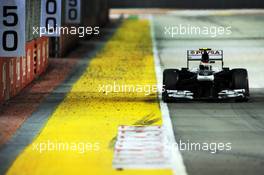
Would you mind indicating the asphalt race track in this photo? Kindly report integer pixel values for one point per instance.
(241, 124)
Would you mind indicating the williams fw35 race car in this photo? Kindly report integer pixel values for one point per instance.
(206, 80)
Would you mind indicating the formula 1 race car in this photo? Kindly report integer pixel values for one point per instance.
(205, 81)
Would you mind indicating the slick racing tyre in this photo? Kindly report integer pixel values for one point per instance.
(240, 81)
(170, 79)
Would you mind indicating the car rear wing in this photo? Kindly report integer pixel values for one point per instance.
(196, 55)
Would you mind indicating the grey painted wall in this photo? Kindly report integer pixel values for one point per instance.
(187, 3)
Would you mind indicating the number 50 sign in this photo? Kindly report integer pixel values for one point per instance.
(12, 28)
(51, 17)
(73, 11)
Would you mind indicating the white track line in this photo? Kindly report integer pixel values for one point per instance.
(178, 166)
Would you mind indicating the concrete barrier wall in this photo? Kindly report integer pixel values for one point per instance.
(190, 4)
(18, 72)
(93, 13)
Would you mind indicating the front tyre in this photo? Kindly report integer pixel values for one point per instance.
(170, 80)
(240, 81)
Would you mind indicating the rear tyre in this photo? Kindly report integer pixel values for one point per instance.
(240, 81)
(170, 80)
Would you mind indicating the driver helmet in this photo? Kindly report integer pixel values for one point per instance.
(205, 57)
